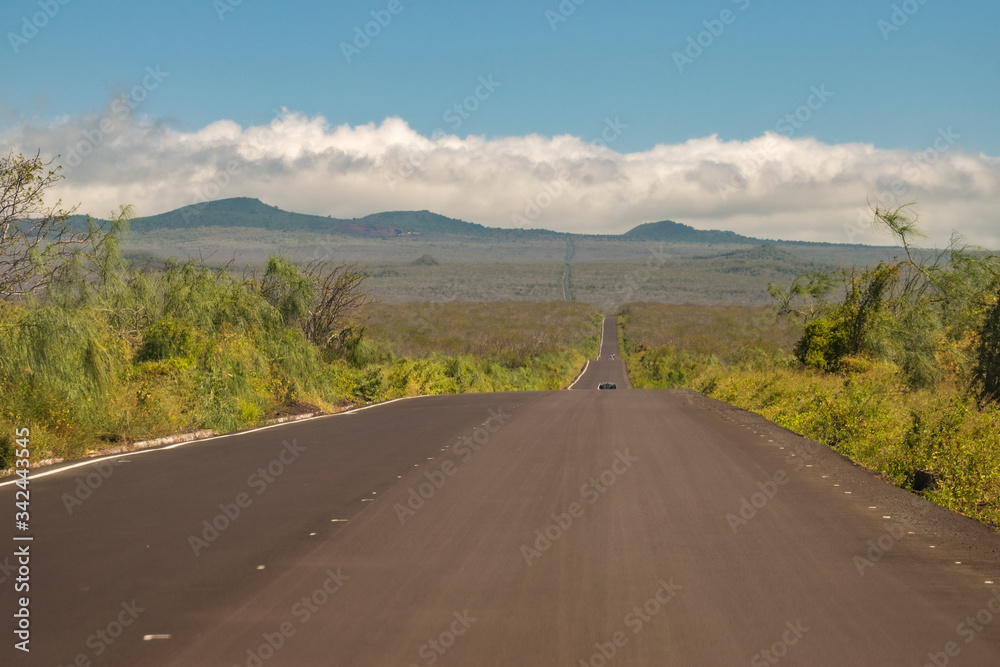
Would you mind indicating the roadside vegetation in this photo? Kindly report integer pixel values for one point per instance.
(896, 366)
(457, 347)
(96, 350)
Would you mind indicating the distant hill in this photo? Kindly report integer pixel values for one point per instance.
(247, 212)
(670, 231)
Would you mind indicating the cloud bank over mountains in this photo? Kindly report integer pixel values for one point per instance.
(772, 186)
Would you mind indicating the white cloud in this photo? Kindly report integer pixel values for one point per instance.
(772, 186)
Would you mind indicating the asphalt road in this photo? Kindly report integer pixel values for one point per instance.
(554, 528)
(603, 368)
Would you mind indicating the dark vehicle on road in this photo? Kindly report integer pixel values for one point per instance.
(608, 385)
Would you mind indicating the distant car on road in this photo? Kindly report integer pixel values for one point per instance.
(608, 385)
(611, 356)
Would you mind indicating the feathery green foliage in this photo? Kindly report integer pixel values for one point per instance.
(922, 312)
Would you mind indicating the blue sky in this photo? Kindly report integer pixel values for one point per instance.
(891, 85)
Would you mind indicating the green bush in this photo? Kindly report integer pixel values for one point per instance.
(987, 370)
(823, 344)
(167, 339)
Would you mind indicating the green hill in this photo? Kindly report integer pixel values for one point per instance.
(248, 212)
(668, 230)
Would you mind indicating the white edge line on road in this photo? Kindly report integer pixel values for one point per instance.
(378, 405)
(98, 459)
(580, 375)
(600, 347)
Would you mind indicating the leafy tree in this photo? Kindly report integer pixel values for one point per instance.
(850, 328)
(867, 297)
(38, 241)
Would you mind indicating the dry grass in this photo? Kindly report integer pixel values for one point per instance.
(725, 332)
(484, 330)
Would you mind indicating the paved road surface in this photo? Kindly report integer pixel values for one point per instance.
(549, 528)
(604, 369)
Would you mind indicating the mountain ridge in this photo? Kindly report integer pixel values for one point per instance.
(251, 212)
